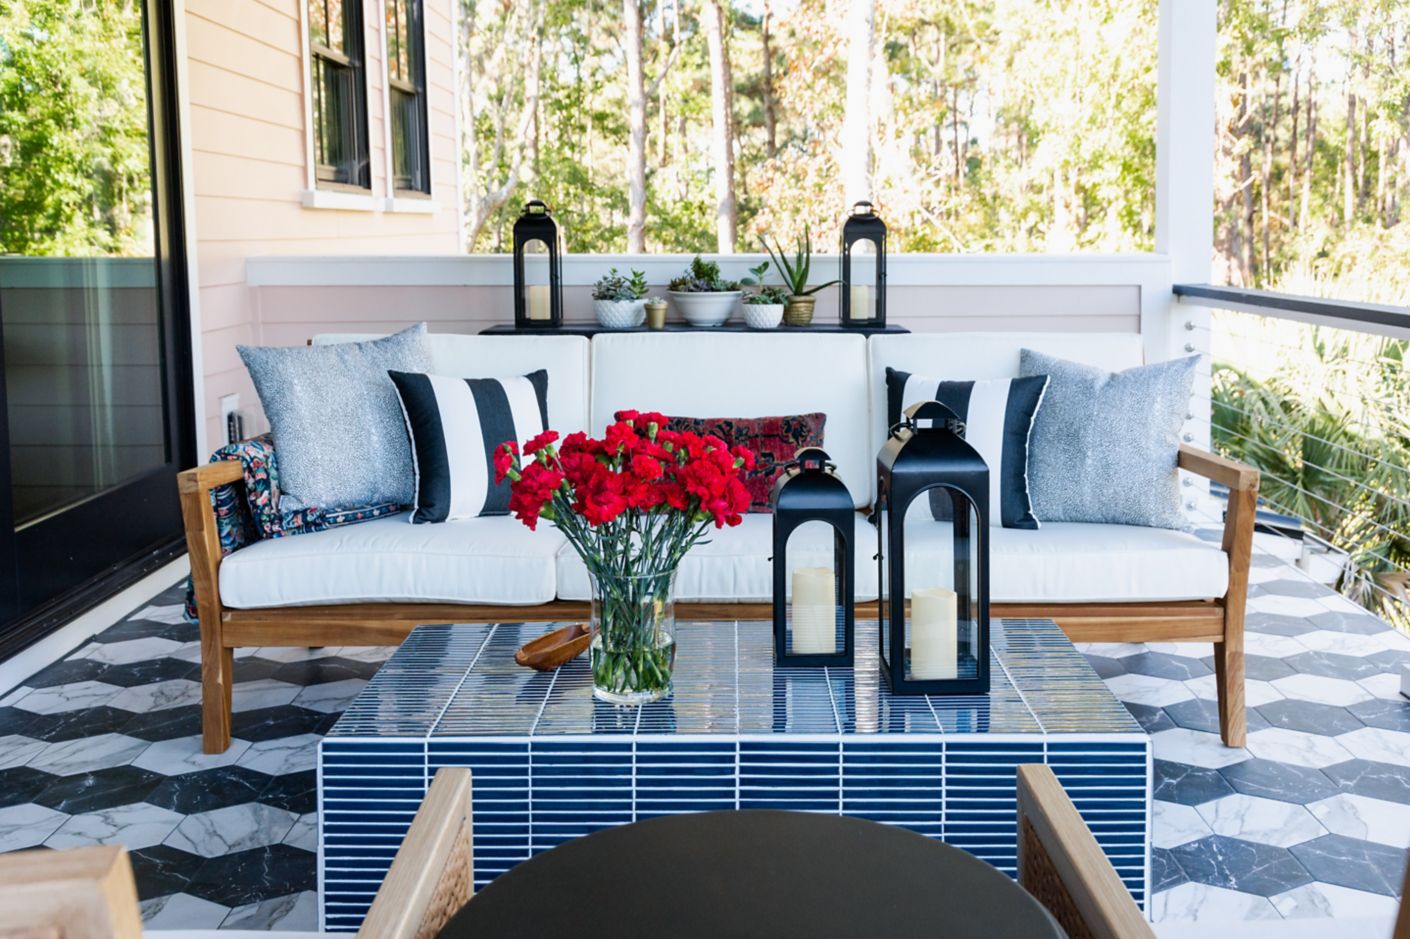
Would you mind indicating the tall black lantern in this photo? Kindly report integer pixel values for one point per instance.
(863, 268)
(938, 643)
(538, 269)
(813, 616)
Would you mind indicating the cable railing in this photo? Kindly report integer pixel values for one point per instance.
(1316, 394)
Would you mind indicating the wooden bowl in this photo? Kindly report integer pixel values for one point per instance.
(551, 650)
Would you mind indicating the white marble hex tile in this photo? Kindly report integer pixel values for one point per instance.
(173, 614)
(1294, 746)
(1255, 692)
(297, 912)
(1267, 821)
(1384, 685)
(1273, 646)
(1112, 650)
(1381, 746)
(17, 750)
(1330, 901)
(263, 693)
(71, 697)
(134, 826)
(233, 828)
(1199, 903)
(10, 699)
(304, 834)
(1319, 689)
(28, 825)
(1147, 689)
(1286, 606)
(181, 911)
(294, 653)
(1181, 745)
(88, 754)
(283, 755)
(184, 755)
(1365, 818)
(365, 653)
(1174, 824)
(1188, 650)
(1325, 640)
(131, 650)
(158, 696)
(331, 696)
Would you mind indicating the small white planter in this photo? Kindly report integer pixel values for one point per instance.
(620, 314)
(706, 309)
(763, 315)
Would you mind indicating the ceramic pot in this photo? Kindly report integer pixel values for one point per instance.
(656, 315)
(763, 315)
(706, 309)
(619, 314)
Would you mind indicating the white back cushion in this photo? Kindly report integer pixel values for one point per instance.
(704, 374)
(460, 356)
(971, 356)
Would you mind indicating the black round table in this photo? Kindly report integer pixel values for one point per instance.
(753, 873)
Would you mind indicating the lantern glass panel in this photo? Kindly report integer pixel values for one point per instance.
(538, 294)
(815, 617)
(942, 581)
(862, 289)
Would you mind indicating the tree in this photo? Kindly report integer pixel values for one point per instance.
(856, 126)
(722, 121)
(636, 139)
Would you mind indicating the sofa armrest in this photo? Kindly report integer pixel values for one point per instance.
(1238, 477)
(202, 536)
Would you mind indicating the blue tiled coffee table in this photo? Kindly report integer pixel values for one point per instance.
(550, 763)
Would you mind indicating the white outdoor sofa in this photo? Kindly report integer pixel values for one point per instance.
(372, 582)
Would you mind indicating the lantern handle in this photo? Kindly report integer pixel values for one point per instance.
(536, 207)
(870, 209)
(934, 411)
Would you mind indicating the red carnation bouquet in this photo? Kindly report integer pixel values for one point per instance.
(631, 504)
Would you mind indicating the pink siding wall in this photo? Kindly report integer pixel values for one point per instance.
(246, 84)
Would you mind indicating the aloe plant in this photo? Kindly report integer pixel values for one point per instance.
(795, 272)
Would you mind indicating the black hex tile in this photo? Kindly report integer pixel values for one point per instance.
(254, 668)
(1104, 666)
(293, 792)
(1385, 713)
(1373, 780)
(1234, 864)
(149, 672)
(166, 724)
(83, 722)
(286, 720)
(1152, 719)
(1284, 782)
(1333, 665)
(320, 671)
(254, 875)
(1261, 667)
(1390, 660)
(1308, 716)
(147, 629)
(13, 720)
(1363, 623)
(1263, 560)
(1290, 587)
(1166, 872)
(1165, 665)
(1278, 624)
(1199, 714)
(20, 784)
(69, 670)
(1350, 862)
(209, 789)
(103, 789)
(1188, 785)
(161, 870)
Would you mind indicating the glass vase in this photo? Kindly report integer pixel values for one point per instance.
(634, 636)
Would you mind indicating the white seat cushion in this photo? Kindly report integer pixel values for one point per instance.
(1076, 562)
(735, 565)
(475, 560)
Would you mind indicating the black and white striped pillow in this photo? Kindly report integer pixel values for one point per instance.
(455, 425)
(998, 416)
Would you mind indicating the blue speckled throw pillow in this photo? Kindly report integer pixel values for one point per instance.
(1104, 445)
(336, 419)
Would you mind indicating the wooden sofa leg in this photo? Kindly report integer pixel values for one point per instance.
(1229, 680)
(217, 680)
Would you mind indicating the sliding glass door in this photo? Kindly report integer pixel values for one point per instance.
(96, 384)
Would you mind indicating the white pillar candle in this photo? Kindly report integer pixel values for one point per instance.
(540, 306)
(814, 618)
(934, 634)
(860, 302)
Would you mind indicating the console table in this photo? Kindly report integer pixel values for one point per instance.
(550, 763)
(591, 329)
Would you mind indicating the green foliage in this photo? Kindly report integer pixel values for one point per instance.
(615, 286)
(795, 270)
(74, 162)
(702, 277)
(768, 295)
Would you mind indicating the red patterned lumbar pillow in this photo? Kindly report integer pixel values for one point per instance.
(774, 441)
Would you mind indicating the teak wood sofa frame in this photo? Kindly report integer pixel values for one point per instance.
(1220, 622)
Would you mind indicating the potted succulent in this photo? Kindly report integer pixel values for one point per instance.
(620, 300)
(764, 309)
(799, 309)
(702, 295)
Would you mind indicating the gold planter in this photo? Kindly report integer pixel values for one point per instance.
(798, 311)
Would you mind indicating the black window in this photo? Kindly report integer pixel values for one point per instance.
(406, 80)
(339, 92)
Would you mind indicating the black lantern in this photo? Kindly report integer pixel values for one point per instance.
(939, 642)
(813, 618)
(538, 269)
(864, 268)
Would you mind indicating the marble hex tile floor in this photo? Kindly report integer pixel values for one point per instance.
(1311, 819)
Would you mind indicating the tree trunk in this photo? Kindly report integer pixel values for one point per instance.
(1350, 184)
(1248, 222)
(636, 132)
(770, 114)
(1309, 160)
(1293, 161)
(856, 122)
(722, 119)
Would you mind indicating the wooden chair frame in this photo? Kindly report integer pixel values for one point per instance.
(1218, 621)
